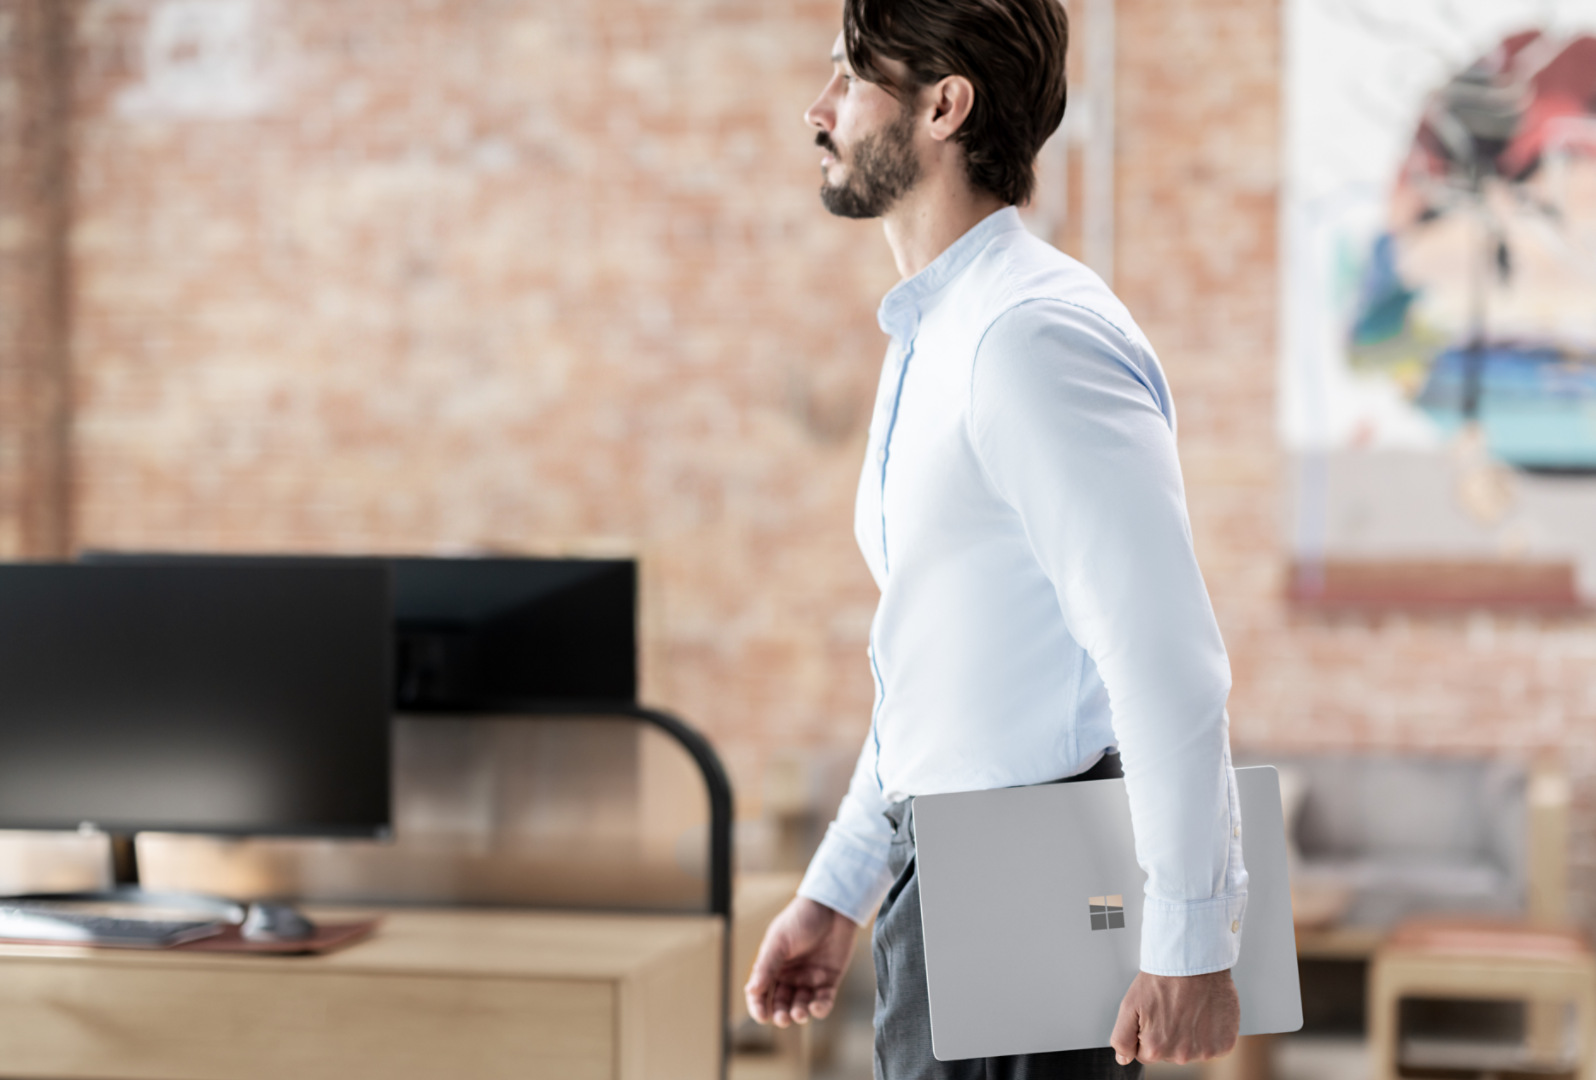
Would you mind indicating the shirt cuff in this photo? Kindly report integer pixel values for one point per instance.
(846, 878)
(1192, 938)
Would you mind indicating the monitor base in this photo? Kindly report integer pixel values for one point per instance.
(263, 920)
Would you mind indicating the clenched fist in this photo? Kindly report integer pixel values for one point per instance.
(1177, 1018)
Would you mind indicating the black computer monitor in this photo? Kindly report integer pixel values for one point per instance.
(478, 634)
(196, 698)
(514, 633)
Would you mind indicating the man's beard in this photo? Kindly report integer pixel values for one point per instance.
(881, 169)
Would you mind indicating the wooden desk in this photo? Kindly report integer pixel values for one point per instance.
(436, 993)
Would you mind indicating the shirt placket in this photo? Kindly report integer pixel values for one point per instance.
(883, 459)
(884, 452)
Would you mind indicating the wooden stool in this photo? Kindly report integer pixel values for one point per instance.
(1545, 968)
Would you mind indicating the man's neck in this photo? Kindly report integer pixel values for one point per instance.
(928, 219)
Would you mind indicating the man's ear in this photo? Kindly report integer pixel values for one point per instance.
(949, 101)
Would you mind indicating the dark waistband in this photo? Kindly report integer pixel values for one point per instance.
(1106, 768)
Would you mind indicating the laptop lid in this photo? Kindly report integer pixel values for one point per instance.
(1031, 901)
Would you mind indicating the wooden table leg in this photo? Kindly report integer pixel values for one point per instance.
(1250, 1060)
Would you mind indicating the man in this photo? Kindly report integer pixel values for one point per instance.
(1022, 511)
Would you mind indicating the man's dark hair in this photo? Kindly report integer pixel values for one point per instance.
(1012, 51)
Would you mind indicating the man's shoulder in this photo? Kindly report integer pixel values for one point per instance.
(1027, 278)
(1045, 314)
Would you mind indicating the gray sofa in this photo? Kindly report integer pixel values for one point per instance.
(1404, 835)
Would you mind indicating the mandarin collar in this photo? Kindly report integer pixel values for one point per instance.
(900, 309)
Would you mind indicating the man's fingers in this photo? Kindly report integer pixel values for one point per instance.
(1127, 1032)
(757, 991)
(754, 993)
(781, 1004)
(820, 1008)
(801, 999)
(762, 981)
(758, 1002)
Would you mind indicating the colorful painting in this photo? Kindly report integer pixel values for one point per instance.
(1439, 346)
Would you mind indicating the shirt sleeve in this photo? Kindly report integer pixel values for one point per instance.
(1072, 423)
(849, 871)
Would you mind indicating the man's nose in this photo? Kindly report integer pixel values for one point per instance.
(821, 114)
(815, 116)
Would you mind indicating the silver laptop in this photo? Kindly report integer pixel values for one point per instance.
(1027, 954)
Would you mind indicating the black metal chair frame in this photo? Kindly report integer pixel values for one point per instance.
(721, 808)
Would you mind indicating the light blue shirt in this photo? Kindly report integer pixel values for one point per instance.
(1022, 511)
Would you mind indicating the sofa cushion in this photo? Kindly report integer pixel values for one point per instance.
(1385, 890)
(1407, 834)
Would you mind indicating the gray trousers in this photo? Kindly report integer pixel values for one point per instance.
(903, 1011)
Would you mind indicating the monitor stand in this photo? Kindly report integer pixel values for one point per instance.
(124, 859)
(261, 920)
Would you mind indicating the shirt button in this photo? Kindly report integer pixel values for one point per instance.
(881, 455)
(1236, 831)
(1235, 927)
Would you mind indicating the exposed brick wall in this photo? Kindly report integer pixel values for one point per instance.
(525, 276)
(14, 222)
(35, 209)
(545, 276)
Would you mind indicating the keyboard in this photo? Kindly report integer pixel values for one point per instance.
(54, 923)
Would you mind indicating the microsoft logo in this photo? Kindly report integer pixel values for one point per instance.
(1108, 912)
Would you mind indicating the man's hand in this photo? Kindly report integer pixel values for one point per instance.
(1179, 1019)
(800, 964)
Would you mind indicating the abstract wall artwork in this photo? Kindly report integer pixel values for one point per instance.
(1438, 379)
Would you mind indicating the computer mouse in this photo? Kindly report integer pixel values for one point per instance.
(269, 920)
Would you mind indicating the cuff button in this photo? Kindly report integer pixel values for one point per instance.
(1235, 926)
